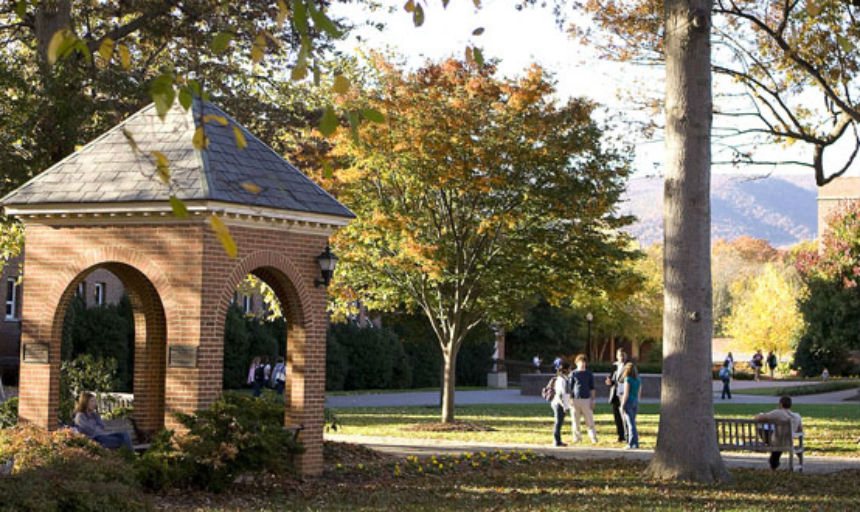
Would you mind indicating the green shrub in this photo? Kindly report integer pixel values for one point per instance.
(237, 349)
(421, 348)
(84, 373)
(812, 357)
(475, 358)
(336, 364)
(103, 332)
(373, 355)
(246, 337)
(546, 330)
(119, 413)
(9, 413)
(79, 484)
(33, 447)
(236, 435)
(820, 387)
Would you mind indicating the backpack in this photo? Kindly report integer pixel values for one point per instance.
(259, 374)
(724, 373)
(548, 391)
(277, 371)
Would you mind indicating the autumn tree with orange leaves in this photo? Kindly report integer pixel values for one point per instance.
(477, 194)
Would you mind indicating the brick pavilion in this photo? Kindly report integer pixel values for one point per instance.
(105, 207)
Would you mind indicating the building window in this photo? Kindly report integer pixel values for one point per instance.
(249, 304)
(81, 292)
(234, 298)
(12, 292)
(99, 294)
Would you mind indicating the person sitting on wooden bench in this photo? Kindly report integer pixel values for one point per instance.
(90, 424)
(781, 437)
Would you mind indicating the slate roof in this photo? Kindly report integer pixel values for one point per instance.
(108, 170)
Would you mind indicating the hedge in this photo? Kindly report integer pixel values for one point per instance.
(402, 354)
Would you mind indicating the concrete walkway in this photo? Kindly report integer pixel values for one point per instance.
(404, 447)
(513, 396)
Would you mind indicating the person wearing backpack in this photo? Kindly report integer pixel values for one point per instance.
(560, 401)
(726, 376)
(252, 369)
(259, 378)
(772, 363)
(279, 376)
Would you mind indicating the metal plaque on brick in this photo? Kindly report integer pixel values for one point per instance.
(37, 353)
(182, 356)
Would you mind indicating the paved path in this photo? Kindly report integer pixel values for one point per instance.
(513, 396)
(403, 447)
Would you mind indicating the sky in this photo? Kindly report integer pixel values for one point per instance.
(521, 37)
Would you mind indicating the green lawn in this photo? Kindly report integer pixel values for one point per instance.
(801, 388)
(522, 481)
(412, 390)
(830, 429)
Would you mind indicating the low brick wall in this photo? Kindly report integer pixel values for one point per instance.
(532, 383)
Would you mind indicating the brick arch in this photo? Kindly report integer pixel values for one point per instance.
(281, 274)
(288, 283)
(76, 269)
(139, 279)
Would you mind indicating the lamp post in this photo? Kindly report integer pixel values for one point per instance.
(588, 318)
(327, 262)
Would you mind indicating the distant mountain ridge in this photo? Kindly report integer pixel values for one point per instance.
(781, 209)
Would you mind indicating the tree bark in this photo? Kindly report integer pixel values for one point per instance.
(449, 356)
(51, 16)
(686, 441)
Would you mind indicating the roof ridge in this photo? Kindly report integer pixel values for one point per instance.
(268, 147)
(206, 182)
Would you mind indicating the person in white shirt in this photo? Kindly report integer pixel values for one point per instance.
(783, 437)
(279, 376)
(561, 401)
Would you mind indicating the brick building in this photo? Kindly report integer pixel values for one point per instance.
(105, 208)
(831, 196)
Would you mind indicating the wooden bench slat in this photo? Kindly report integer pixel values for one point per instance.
(746, 435)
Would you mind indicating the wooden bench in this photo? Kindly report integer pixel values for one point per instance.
(129, 426)
(759, 436)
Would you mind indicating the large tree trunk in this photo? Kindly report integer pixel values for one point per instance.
(686, 440)
(449, 358)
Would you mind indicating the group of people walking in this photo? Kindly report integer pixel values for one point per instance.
(574, 389)
(262, 374)
(757, 362)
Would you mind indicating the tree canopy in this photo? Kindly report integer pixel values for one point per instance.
(477, 194)
(766, 313)
(832, 307)
(73, 69)
(797, 62)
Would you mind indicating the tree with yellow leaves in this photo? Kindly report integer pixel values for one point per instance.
(766, 313)
(478, 194)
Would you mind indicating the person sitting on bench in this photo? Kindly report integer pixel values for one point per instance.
(781, 437)
(90, 424)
